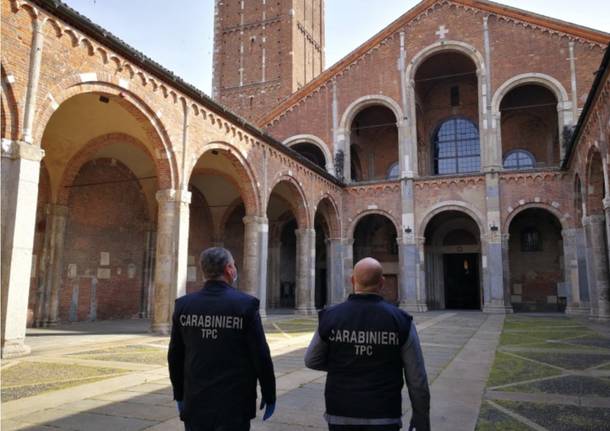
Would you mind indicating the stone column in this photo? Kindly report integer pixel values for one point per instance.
(412, 298)
(571, 271)
(254, 273)
(494, 296)
(57, 217)
(171, 256)
(583, 275)
(506, 268)
(348, 266)
(606, 205)
(20, 171)
(273, 273)
(336, 270)
(305, 277)
(595, 226)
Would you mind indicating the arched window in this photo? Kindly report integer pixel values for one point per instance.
(519, 159)
(456, 147)
(394, 171)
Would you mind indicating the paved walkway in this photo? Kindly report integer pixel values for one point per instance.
(458, 349)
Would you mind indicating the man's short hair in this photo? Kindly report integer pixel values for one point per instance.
(213, 262)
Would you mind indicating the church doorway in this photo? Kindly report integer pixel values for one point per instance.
(461, 281)
(452, 258)
(375, 236)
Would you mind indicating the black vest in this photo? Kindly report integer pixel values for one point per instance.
(365, 335)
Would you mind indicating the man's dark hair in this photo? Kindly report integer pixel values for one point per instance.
(213, 261)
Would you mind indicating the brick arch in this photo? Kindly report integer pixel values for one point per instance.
(458, 206)
(247, 184)
(538, 205)
(10, 123)
(594, 181)
(136, 104)
(447, 46)
(333, 220)
(314, 140)
(299, 205)
(88, 151)
(368, 101)
(362, 214)
(541, 79)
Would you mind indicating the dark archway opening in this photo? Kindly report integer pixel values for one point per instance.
(453, 255)
(374, 143)
(535, 261)
(375, 236)
(310, 152)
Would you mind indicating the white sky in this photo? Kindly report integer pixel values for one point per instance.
(179, 34)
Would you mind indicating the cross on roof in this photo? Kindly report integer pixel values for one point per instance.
(441, 32)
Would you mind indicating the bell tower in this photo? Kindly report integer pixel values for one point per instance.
(265, 50)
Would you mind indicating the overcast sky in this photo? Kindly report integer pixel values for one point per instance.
(179, 33)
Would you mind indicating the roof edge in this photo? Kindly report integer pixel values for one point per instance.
(104, 37)
(575, 30)
(594, 93)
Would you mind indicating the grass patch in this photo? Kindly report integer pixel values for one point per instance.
(561, 417)
(510, 369)
(131, 353)
(570, 361)
(536, 336)
(492, 419)
(26, 379)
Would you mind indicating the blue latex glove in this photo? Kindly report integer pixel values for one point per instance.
(180, 405)
(269, 409)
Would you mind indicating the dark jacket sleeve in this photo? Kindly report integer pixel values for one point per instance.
(417, 381)
(175, 357)
(316, 356)
(261, 356)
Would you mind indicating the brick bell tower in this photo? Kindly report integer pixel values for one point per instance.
(265, 50)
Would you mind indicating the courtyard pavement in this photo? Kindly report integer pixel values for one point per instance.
(112, 375)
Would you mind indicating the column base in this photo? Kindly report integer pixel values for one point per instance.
(162, 329)
(578, 310)
(306, 311)
(413, 308)
(497, 309)
(15, 349)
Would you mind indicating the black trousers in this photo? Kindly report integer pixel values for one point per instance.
(332, 427)
(242, 426)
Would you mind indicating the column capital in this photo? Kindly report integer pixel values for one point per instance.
(304, 231)
(593, 219)
(173, 195)
(21, 150)
(57, 210)
(250, 219)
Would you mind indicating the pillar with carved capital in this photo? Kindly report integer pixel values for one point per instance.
(57, 216)
(595, 226)
(20, 172)
(171, 255)
(254, 273)
(606, 205)
(412, 297)
(305, 282)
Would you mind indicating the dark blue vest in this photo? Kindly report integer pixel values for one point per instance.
(365, 335)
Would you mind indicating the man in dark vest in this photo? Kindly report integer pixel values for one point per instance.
(218, 350)
(366, 344)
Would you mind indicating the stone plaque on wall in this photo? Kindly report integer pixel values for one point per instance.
(191, 273)
(72, 270)
(104, 258)
(103, 273)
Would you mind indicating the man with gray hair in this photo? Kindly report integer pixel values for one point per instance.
(218, 351)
